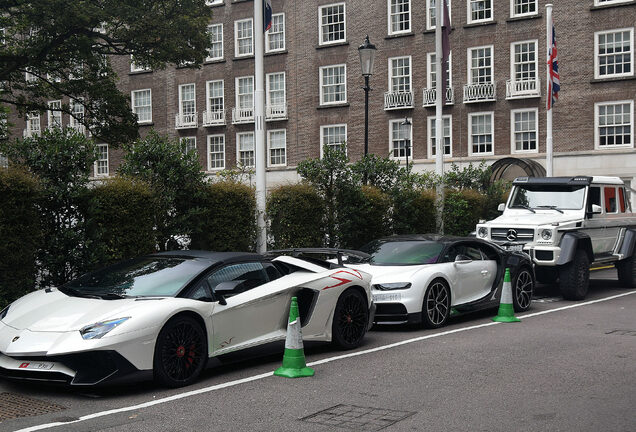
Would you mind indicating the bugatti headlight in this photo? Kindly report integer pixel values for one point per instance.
(482, 232)
(546, 234)
(97, 330)
(392, 286)
(4, 312)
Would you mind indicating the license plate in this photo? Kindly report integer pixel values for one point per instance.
(387, 297)
(514, 247)
(36, 365)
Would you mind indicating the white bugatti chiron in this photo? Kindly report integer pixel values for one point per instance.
(164, 315)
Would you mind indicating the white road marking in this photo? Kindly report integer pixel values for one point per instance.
(323, 361)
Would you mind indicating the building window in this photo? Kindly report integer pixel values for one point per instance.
(142, 105)
(245, 92)
(520, 8)
(33, 124)
(215, 33)
(101, 164)
(187, 102)
(614, 124)
(275, 36)
(216, 152)
(215, 96)
(431, 13)
(333, 84)
(55, 114)
(277, 143)
(480, 131)
(400, 144)
(400, 74)
(524, 61)
(244, 42)
(610, 2)
(213, 2)
(245, 145)
(614, 53)
(276, 89)
(524, 129)
(432, 71)
(4, 161)
(399, 16)
(479, 11)
(448, 137)
(135, 67)
(332, 23)
(334, 137)
(189, 144)
(77, 115)
(480, 65)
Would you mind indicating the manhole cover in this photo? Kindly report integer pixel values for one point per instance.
(622, 332)
(357, 418)
(14, 405)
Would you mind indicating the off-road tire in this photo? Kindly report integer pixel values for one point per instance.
(574, 277)
(522, 289)
(627, 272)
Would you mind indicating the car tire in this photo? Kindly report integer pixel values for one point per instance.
(574, 277)
(436, 304)
(522, 289)
(180, 352)
(627, 272)
(350, 319)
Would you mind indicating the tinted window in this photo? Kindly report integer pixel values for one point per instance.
(410, 252)
(465, 251)
(272, 271)
(244, 277)
(594, 197)
(610, 199)
(621, 196)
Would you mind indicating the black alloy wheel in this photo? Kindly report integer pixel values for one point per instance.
(180, 352)
(523, 287)
(350, 319)
(436, 306)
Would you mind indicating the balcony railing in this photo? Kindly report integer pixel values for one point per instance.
(430, 96)
(484, 92)
(242, 115)
(214, 118)
(186, 121)
(276, 112)
(523, 89)
(398, 100)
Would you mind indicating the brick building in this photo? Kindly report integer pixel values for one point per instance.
(313, 80)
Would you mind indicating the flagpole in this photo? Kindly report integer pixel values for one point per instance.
(548, 139)
(259, 130)
(439, 129)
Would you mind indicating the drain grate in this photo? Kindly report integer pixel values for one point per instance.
(622, 332)
(14, 405)
(357, 418)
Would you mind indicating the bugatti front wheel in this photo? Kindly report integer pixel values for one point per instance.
(436, 307)
(350, 319)
(180, 352)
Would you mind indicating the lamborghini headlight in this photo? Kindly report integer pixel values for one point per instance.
(482, 232)
(392, 286)
(97, 330)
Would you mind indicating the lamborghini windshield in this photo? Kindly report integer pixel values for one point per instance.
(145, 276)
(557, 197)
(407, 252)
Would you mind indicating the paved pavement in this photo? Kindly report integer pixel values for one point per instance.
(568, 366)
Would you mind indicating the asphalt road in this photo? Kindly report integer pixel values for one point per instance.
(568, 366)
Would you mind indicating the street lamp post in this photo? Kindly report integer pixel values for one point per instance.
(407, 141)
(367, 58)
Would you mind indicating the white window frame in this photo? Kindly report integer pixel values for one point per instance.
(136, 68)
(429, 70)
(34, 118)
(209, 153)
(269, 147)
(133, 98)
(186, 138)
(238, 148)
(238, 95)
(429, 18)
(597, 138)
(73, 122)
(194, 99)
(392, 147)
(527, 14)
(390, 15)
(107, 160)
(513, 72)
(213, 2)
(269, 32)
(53, 114)
(429, 134)
(268, 96)
(470, 133)
(322, 136)
(236, 38)
(208, 106)
(410, 75)
(218, 41)
(597, 75)
(320, 84)
(513, 146)
(469, 19)
(469, 60)
(610, 2)
(320, 32)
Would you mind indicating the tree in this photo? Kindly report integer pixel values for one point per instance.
(50, 49)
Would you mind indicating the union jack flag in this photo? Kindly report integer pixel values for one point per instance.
(267, 15)
(553, 64)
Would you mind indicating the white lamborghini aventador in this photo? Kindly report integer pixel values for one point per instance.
(164, 315)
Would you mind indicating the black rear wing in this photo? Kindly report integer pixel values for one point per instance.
(304, 252)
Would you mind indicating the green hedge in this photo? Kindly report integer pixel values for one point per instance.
(120, 220)
(414, 212)
(462, 210)
(20, 232)
(227, 218)
(296, 214)
(364, 215)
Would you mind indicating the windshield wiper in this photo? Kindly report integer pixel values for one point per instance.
(523, 207)
(111, 296)
(75, 293)
(551, 207)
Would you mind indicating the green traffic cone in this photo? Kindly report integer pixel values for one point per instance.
(294, 365)
(506, 309)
